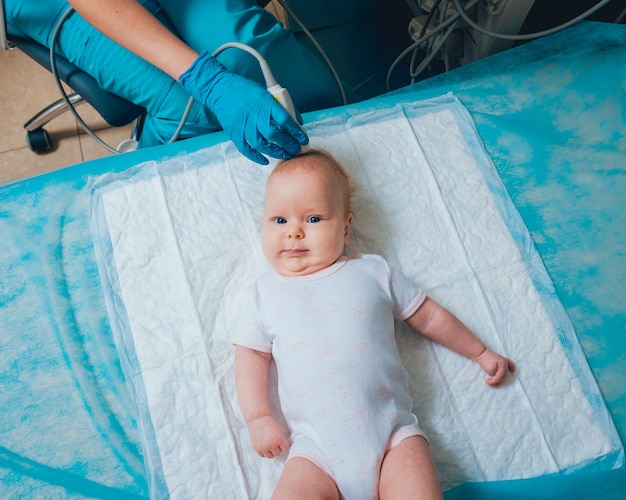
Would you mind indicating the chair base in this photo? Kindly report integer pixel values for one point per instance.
(38, 139)
(50, 112)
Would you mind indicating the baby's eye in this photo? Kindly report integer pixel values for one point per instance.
(280, 220)
(313, 219)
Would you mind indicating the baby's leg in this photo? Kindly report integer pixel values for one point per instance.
(408, 471)
(302, 479)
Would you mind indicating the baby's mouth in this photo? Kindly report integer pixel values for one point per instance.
(295, 251)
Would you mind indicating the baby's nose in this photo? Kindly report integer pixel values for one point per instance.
(295, 232)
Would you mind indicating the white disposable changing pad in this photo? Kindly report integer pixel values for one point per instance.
(177, 239)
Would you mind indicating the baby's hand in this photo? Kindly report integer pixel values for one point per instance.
(496, 366)
(268, 437)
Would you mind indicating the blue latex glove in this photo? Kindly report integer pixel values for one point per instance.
(249, 114)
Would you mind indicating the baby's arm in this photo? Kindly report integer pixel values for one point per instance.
(443, 327)
(251, 369)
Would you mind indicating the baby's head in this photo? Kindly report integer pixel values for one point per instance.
(307, 219)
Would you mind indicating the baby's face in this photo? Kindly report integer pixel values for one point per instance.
(305, 228)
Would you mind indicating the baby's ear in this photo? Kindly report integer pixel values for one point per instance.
(347, 229)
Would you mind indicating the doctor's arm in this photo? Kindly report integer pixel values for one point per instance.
(252, 118)
(440, 325)
(129, 24)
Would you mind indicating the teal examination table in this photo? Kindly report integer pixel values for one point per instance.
(551, 116)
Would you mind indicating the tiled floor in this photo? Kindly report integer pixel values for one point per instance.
(26, 88)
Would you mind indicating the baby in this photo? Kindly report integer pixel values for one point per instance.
(328, 322)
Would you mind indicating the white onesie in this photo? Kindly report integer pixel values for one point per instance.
(342, 387)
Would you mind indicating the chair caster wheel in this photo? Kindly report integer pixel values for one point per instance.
(39, 140)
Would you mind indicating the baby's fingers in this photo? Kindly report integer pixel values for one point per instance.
(500, 371)
(496, 379)
(274, 450)
(281, 447)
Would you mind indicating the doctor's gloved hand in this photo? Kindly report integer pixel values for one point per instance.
(248, 113)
